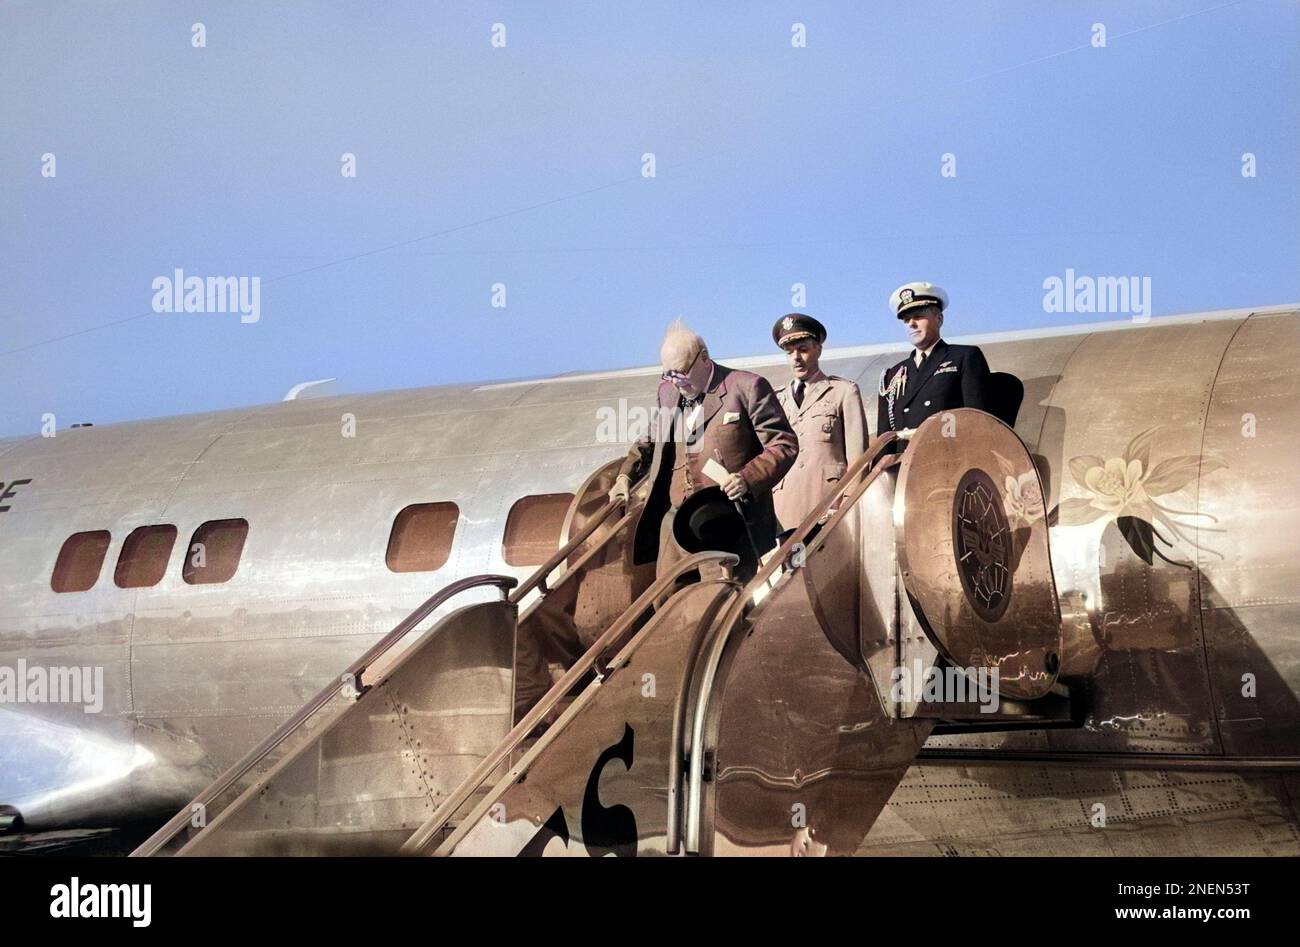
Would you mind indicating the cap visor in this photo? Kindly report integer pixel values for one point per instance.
(795, 337)
(917, 304)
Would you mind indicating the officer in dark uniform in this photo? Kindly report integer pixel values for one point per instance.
(935, 376)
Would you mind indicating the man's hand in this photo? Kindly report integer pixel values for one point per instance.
(621, 490)
(734, 487)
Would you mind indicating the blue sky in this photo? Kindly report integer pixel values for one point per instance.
(522, 165)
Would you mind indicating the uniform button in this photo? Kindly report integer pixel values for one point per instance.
(927, 404)
(905, 410)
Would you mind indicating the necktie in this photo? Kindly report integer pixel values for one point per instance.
(797, 391)
(920, 358)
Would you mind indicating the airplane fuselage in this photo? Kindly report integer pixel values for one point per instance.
(1168, 454)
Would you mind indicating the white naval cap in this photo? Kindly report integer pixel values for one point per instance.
(910, 295)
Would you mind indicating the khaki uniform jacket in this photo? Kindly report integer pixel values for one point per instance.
(832, 429)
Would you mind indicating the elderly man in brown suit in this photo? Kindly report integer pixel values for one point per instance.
(708, 412)
(826, 413)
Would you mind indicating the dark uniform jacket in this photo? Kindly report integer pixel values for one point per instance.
(954, 376)
(742, 426)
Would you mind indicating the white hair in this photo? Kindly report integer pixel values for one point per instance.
(680, 347)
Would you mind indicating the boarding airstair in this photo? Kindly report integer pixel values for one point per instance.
(367, 759)
(708, 716)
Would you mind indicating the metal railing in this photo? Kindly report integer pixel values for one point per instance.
(538, 579)
(421, 839)
(857, 478)
(351, 675)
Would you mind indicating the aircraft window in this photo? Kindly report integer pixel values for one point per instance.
(79, 562)
(421, 537)
(144, 556)
(214, 551)
(533, 528)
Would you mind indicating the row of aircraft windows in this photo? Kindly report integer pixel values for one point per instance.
(214, 553)
(420, 541)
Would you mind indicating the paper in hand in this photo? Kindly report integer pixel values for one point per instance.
(715, 471)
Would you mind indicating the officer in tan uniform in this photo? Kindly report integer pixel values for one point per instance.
(826, 414)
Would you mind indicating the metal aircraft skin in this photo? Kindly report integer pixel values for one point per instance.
(1168, 453)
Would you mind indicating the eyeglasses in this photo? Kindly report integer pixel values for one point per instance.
(675, 376)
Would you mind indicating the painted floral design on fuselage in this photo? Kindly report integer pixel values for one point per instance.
(1128, 489)
(1022, 494)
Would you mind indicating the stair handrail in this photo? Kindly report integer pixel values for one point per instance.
(420, 839)
(537, 580)
(852, 480)
(353, 674)
(852, 485)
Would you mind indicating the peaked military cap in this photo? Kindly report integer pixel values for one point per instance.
(796, 326)
(911, 295)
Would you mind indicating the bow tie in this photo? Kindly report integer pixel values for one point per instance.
(686, 403)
